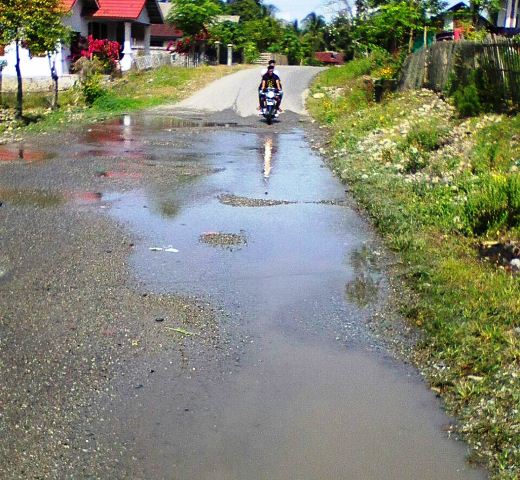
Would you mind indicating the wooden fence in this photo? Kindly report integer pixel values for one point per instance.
(493, 65)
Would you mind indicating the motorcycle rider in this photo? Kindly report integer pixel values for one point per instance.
(271, 80)
(271, 63)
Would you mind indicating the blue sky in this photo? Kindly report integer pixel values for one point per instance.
(291, 9)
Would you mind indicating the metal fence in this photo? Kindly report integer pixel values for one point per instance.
(493, 65)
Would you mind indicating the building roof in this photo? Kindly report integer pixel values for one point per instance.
(127, 10)
(166, 31)
(330, 57)
(68, 4)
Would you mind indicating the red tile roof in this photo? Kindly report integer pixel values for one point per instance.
(68, 4)
(118, 9)
(330, 58)
(166, 31)
(130, 9)
(127, 10)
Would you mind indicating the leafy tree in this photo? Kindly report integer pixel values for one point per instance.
(37, 24)
(192, 16)
(250, 9)
(339, 34)
(391, 26)
(314, 23)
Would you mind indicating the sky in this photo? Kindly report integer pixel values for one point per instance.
(298, 9)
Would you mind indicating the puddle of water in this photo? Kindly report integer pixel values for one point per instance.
(363, 291)
(301, 405)
(23, 154)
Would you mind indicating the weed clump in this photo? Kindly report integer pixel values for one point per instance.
(467, 100)
(494, 204)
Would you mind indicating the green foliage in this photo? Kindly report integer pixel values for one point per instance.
(92, 88)
(426, 137)
(497, 148)
(251, 53)
(390, 26)
(493, 204)
(467, 101)
(192, 16)
(37, 24)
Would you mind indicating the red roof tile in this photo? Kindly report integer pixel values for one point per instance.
(330, 57)
(68, 4)
(119, 9)
(130, 9)
(166, 31)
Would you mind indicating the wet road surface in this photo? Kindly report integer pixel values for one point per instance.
(250, 221)
(311, 395)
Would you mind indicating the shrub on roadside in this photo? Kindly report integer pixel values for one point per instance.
(251, 53)
(467, 100)
(493, 204)
(426, 137)
(92, 88)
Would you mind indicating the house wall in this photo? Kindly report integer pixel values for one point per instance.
(508, 14)
(75, 21)
(144, 17)
(38, 67)
(32, 67)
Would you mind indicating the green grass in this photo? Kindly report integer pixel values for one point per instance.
(435, 186)
(134, 91)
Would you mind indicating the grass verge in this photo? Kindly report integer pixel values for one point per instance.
(135, 91)
(440, 190)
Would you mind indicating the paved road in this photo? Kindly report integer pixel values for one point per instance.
(238, 92)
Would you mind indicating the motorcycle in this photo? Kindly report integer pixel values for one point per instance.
(270, 110)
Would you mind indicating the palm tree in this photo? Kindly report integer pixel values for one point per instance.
(314, 23)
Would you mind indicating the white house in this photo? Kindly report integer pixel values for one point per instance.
(126, 21)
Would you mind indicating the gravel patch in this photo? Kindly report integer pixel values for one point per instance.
(235, 201)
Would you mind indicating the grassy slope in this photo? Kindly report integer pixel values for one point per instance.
(435, 186)
(133, 92)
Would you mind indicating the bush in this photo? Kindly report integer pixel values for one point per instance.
(105, 51)
(427, 138)
(92, 88)
(251, 53)
(467, 100)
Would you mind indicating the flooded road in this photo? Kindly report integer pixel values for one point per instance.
(309, 394)
(188, 299)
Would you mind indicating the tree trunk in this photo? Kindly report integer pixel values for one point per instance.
(54, 76)
(410, 41)
(19, 93)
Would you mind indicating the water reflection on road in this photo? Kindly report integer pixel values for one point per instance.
(308, 398)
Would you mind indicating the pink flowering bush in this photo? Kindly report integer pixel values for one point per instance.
(106, 51)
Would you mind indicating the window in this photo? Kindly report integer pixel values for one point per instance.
(98, 30)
